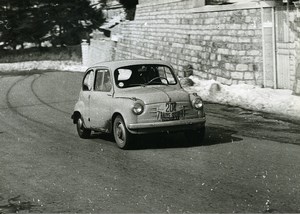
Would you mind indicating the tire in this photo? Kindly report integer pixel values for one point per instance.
(122, 136)
(81, 130)
(195, 137)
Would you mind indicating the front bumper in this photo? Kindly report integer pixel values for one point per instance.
(167, 126)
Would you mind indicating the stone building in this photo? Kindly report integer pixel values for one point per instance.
(231, 41)
(101, 46)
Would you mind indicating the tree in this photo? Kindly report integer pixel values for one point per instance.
(72, 20)
(62, 22)
(13, 23)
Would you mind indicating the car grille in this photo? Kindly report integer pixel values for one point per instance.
(152, 111)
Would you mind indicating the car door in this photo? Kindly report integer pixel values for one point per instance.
(87, 87)
(101, 100)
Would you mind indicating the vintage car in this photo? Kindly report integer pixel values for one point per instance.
(132, 97)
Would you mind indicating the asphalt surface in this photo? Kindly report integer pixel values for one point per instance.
(250, 162)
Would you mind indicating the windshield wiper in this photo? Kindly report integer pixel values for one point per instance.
(134, 85)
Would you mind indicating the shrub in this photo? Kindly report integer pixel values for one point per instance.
(38, 54)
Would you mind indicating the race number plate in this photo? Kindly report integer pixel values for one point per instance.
(170, 113)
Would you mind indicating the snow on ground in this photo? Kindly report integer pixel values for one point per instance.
(280, 102)
(42, 65)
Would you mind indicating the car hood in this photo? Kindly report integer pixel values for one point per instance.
(155, 94)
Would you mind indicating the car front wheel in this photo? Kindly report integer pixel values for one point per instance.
(122, 136)
(81, 130)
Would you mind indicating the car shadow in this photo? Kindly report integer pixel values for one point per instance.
(219, 135)
(213, 136)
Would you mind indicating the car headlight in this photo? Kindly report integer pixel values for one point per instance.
(138, 108)
(197, 103)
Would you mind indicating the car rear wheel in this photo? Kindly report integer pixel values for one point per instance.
(122, 136)
(195, 137)
(81, 130)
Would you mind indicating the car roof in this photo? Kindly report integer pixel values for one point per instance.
(121, 63)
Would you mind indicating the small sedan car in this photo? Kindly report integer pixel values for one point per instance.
(132, 97)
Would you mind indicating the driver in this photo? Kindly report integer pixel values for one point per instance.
(107, 83)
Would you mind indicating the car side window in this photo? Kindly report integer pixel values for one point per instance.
(103, 80)
(88, 81)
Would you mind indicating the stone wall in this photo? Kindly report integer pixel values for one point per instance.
(100, 49)
(296, 87)
(223, 45)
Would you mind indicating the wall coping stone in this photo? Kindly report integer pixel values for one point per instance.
(240, 6)
(155, 2)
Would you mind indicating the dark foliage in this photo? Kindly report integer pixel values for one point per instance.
(130, 7)
(128, 4)
(61, 22)
(42, 53)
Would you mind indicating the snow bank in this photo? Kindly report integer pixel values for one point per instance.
(43, 65)
(278, 101)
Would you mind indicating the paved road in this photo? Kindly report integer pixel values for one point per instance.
(249, 163)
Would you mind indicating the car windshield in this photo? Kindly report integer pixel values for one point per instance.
(142, 75)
